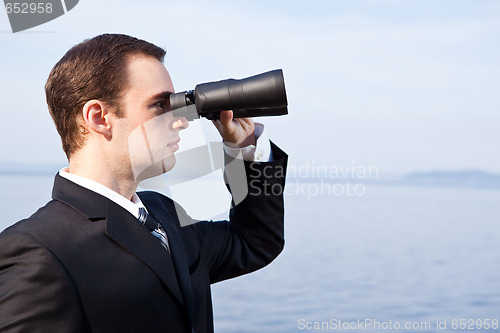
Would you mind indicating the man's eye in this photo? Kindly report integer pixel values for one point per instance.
(162, 105)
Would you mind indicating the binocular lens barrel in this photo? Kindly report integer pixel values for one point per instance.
(260, 95)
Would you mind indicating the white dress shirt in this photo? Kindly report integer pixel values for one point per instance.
(132, 205)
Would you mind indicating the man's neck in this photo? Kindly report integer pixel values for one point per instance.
(102, 173)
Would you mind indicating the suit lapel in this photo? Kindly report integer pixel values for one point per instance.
(122, 227)
(128, 232)
(169, 223)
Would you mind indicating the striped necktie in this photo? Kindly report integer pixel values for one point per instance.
(154, 226)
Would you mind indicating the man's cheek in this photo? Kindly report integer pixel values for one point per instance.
(139, 152)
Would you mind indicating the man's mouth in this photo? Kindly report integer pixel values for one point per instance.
(174, 145)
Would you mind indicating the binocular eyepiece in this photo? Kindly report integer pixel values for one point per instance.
(256, 96)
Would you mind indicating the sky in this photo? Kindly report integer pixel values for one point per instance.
(400, 85)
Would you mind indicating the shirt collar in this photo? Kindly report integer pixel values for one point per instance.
(131, 206)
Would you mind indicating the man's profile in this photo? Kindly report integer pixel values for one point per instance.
(101, 257)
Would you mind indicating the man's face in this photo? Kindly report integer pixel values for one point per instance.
(149, 129)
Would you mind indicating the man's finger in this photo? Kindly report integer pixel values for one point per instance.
(226, 117)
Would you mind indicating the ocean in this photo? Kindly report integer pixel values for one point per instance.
(383, 258)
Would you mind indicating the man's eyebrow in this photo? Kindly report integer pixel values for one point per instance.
(161, 96)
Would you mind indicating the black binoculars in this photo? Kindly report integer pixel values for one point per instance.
(256, 96)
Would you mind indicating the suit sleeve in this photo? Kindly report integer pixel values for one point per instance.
(36, 294)
(254, 235)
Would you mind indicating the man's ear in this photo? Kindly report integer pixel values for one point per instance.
(96, 115)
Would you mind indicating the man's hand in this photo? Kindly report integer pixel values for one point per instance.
(235, 132)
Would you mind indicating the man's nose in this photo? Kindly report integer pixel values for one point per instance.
(180, 123)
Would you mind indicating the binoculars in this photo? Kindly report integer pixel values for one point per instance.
(256, 96)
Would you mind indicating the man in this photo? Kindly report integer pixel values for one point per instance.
(100, 257)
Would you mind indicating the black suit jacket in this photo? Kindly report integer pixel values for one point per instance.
(84, 264)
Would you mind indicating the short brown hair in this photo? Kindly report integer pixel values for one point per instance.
(93, 69)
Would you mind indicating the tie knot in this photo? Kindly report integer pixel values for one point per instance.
(152, 224)
(148, 220)
(143, 215)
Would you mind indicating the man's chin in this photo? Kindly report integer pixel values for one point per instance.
(156, 169)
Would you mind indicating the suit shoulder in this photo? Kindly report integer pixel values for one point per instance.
(47, 226)
(28, 223)
(44, 217)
